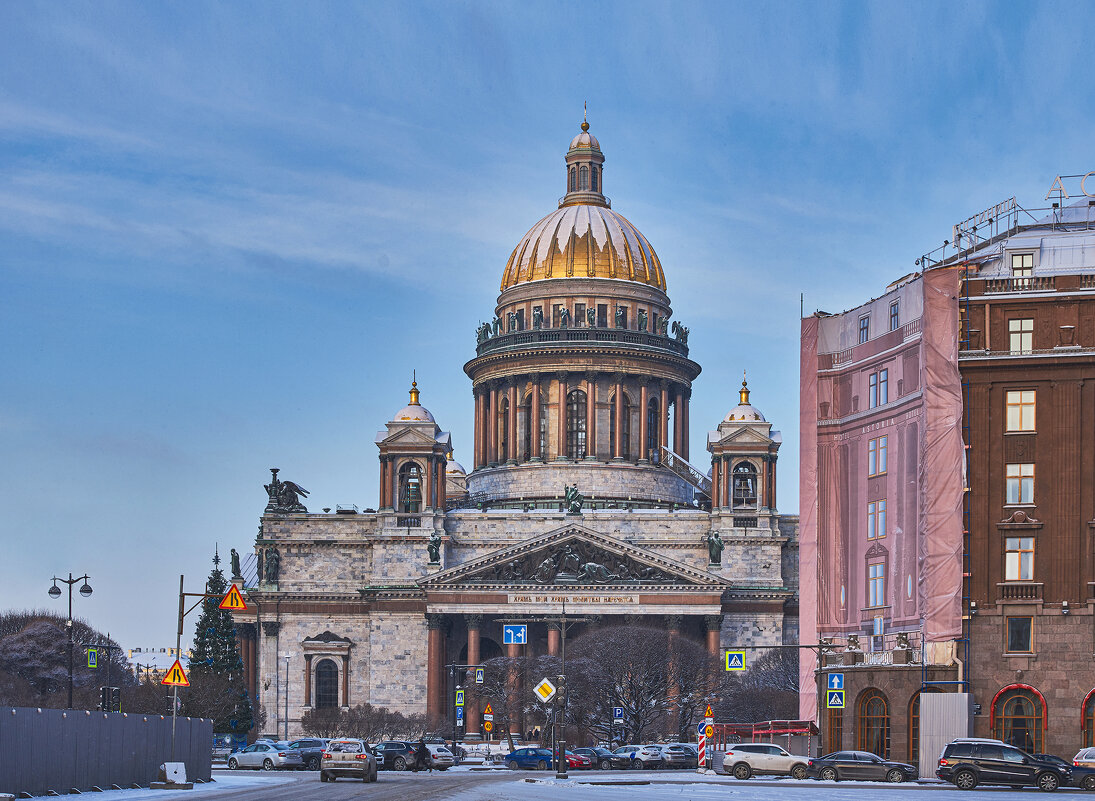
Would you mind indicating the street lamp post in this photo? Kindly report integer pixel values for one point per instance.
(55, 592)
(286, 658)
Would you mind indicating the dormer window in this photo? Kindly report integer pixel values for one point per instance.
(1022, 270)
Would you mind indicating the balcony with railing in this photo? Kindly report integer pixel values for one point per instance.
(1022, 283)
(560, 337)
(1019, 590)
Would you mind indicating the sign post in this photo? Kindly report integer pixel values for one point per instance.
(702, 761)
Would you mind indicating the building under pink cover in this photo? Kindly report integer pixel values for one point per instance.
(881, 482)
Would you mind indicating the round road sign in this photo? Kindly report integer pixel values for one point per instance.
(709, 731)
(488, 726)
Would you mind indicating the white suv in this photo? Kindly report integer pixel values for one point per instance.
(746, 759)
(643, 757)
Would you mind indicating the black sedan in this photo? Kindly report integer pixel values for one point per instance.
(605, 759)
(1081, 776)
(859, 766)
(395, 755)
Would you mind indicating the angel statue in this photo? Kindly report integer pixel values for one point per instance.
(564, 317)
(591, 317)
(573, 500)
(284, 495)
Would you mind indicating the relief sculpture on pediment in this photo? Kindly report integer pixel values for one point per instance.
(574, 562)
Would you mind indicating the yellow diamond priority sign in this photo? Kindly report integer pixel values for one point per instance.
(545, 690)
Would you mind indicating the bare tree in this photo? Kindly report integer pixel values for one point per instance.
(767, 691)
(696, 678)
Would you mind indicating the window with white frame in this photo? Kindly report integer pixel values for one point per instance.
(1020, 409)
(1021, 335)
(876, 584)
(1020, 483)
(1022, 270)
(1019, 559)
(876, 456)
(876, 519)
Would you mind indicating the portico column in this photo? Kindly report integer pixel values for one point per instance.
(644, 434)
(492, 428)
(384, 501)
(561, 382)
(714, 625)
(512, 682)
(726, 481)
(429, 476)
(511, 437)
(535, 433)
(715, 482)
(307, 679)
(435, 666)
(471, 705)
(346, 680)
(663, 434)
(554, 639)
(678, 445)
(684, 424)
(477, 458)
(591, 416)
(618, 411)
(673, 631)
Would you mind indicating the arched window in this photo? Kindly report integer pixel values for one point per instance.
(914, 725)
(572, 180)
(1088, 722)
(834, 733)
(503, 433)
(745, 485)
(653, 429)
(1020, 718)
(625, 443)
(873, 724)
(410, 488)
(583, 178)
(576, 424)
(326, 684)
(593, 179)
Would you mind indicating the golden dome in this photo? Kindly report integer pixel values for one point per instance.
(584, 241)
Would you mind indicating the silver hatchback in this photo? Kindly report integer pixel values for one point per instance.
(267, 756)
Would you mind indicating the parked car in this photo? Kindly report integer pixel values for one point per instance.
(675, 756)
(348, 757)
(441, 757)
(859, 766)
(311, 751)
(1082, 775)
(529, 759)
(968, 762)
(743, 760)
(577, 761)
(268, 756)
(643, 757)
(1085, 757)
(604, 759)
(395, 754)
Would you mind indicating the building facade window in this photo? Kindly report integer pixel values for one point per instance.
(1020, 633)
(1021, 335)
(579, 318)
(876, 456)
(1088, 723)
(326, 684)
(876, 519)
(576, 424)
(1020, 409)
(1020, 719)
(1019, 559)
(410, 488)
(873, 724)
(594, 179)
(876, 584)
(1022, 270)
(834, 731)
(864, 329)
(573, 179)
(745, 486)
(1020, 483)
(878, 386)
(653, 430)
(625, 439)
(895, 316)
(583, 178)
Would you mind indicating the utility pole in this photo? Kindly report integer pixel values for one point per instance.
(183, 612)
(55, 592)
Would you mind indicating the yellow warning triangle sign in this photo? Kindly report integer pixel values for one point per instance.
(709, 713)
(233, 601)
(176, 676)
(488, 710)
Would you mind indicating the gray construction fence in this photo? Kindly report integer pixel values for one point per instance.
(66, 749)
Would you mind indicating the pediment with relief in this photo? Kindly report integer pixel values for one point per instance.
(573, 556)
(408, 436)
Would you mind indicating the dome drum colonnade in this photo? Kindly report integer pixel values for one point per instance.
(580, 369)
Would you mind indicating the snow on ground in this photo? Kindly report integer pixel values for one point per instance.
(223, 786)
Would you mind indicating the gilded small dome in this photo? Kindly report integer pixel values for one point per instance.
(584, 241)
(414, 412)
(744, 411)
(585, 140)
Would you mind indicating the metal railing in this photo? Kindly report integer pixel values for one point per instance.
(676, 464)
(562, 336)
(1029, 283)
(1019, 590)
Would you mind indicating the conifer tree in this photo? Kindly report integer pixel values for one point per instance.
(217, 688)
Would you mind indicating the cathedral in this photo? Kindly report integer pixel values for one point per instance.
(582, 496)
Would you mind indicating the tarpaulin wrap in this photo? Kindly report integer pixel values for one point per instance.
(942, 460)
(807, 551)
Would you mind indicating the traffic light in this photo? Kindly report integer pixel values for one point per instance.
(115, 699)
(104, 699)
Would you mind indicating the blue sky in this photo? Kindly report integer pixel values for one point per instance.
(228, 232)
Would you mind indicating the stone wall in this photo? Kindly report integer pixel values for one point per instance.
(594, 479)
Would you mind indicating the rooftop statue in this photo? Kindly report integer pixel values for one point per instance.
(434, 548)
(564, 317)
(235, 564)
(537, 318)
(714, 547)
(591, 317)
(642, 319)
(573, 500)
(284, 495)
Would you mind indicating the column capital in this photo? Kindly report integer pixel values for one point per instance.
(663, 384)
(474, 622)
(673, 622)
(591, 375)
(561, 375)
(435, 621)
(553, 626)
(618, 377)
(713, 622)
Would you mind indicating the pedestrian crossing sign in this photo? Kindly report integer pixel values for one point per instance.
(834, 699)
(735, 660)
(479, 675)
(176, 676)
(233, 601)
(459, 698)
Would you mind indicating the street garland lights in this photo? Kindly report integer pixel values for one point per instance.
(55, 593)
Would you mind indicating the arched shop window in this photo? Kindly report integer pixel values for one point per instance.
(873, 723)
(326, 684)
(1019, 717)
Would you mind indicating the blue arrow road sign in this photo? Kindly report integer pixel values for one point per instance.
(514, 634)
(617, 713)
(836, 681)
(701, 728)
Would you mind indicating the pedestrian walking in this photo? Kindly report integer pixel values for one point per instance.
(422, 757)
